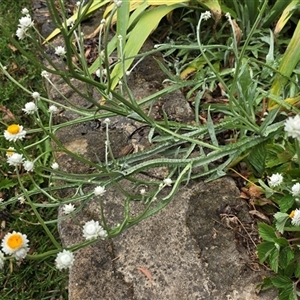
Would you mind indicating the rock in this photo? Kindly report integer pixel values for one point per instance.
(182, 253)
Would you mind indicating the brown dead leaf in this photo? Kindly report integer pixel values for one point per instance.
(8, 116)
(261, 202)
(255, 191)
(260, 215)
(12, 47)
(146, 272)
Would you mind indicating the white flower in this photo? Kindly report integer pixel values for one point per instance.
(53, 109)
(25, 22)
(14, 132)
(295, 216)
(44, 74)
(15, 244)
(30, 108)
(21, 253)
(25, 11)
(28, 165)
(106, 121)
(15, 159)
(168, 181)
(64, 260)
(70, 23)
(292, 127)
(68, 208)
(92, 230)
(21, 200)
(55, 166)
(143, 191)
(35, 95)
(275, 180)
(1, 200)
(21, 33)
(206, 15)
(99, 191)
(2, 259)
(296, 189)
(60, 51)
(98, 73)
(103, 234)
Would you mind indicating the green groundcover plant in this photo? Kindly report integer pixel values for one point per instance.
(268, 141)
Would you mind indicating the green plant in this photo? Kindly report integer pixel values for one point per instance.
(235, 66)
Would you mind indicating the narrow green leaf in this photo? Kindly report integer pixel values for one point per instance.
(138, 35)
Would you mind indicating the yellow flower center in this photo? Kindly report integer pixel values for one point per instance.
(13, 129)
(15, 241)
(292, 214)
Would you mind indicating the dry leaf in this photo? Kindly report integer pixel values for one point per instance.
(12, 47)
(146, 272)
(8, 116)
(260, 215)
(255, 191)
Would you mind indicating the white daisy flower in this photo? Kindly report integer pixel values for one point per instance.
(30, 108)
(25, 11)
(70, 23)
(296, 189)
(15, 159)
(206, 15)
(21, 33)
(168, 181)
(36, 95)
(2, 259)
(44, 74)
(99, 191)
(21, 200)
(14, 132)
(275, 180)
(91, 230)
(64, 260)
(53, 109)
(60, 51)
(25, 22)
(68, 208)
(55, 166)
(28, 165)
(295, 216)
(15, 244)
(103, 234)
(292, 127)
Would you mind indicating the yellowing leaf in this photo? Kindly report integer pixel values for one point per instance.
(287, 13)
(287, 65)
